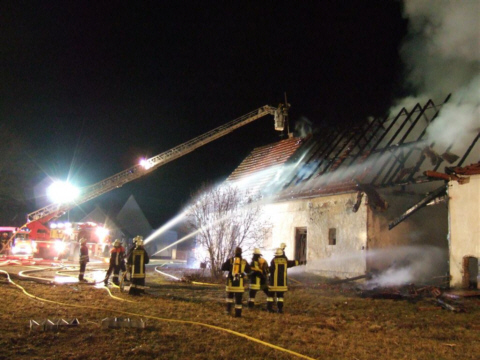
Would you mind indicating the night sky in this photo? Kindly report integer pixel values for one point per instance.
(89, 87)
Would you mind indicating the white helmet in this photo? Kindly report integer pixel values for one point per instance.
(279, 252)
(283, 246)
(257, 251)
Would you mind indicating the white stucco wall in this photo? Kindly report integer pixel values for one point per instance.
(464, 224)
(318, 215)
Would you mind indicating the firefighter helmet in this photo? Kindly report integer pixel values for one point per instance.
(279, 252)
(283, 246)
(139, 241)
(257, 251)
(137, 238)
(238, 251)
(117, 243)
(83, 240)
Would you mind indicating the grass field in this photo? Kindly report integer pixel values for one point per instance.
(185, 321)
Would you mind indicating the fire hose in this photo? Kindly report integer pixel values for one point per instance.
(60, 272)
(236, 333)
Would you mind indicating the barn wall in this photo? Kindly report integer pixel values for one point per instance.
(464, 221)
(318, 215)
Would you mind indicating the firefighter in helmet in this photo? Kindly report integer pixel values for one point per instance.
(136, 262)
(277, 285)
(117, 262)
(258, 276)
(237, 271)
(84, 259)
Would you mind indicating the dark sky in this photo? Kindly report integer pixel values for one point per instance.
(91, 86)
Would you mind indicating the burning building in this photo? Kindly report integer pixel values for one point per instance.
(369, 199)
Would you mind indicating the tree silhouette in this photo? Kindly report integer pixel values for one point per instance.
(224, 217)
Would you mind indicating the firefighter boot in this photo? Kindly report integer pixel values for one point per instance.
(280, 307)
(251, 304)
(238, 312)
(229, 308)
(270, 306)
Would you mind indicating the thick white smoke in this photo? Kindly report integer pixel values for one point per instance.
(442, 54)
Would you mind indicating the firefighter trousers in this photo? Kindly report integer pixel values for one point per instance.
(238, 302)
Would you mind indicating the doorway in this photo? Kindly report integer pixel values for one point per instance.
(301, 245)
(470, 272)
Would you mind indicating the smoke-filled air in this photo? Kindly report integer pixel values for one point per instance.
(442, 56)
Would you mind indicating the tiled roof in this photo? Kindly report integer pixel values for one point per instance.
(264, 164)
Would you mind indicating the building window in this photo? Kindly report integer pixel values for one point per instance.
(332, 236)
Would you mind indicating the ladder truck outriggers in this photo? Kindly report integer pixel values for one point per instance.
(45, 241)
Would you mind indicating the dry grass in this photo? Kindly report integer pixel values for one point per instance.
(321, 322)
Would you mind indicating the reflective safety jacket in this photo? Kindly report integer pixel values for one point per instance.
(84, 254)
(278, 273)
(237, 269)
(117, 255)
(259, 274)
(137, 260)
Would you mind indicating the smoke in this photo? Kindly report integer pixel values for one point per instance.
(393, 266)
(407, 265)
(303, 127)
(442, 55)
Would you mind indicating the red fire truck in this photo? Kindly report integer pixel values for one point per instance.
(58, 240)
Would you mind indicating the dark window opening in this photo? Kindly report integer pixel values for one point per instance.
(332, 236)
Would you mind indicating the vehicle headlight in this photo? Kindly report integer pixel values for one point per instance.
(59, 246)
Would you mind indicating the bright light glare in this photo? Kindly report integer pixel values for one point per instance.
(62, 192)
(102, 233)
(59, 246)
(145, 164)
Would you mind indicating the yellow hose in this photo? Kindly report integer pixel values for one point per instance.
(163, 319)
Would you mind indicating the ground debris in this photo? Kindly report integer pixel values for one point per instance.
(413, 293)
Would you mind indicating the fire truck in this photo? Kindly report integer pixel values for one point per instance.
(54, 241)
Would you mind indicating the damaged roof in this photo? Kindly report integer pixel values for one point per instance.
(382, 152)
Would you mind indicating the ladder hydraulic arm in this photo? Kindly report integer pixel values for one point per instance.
(155, 162)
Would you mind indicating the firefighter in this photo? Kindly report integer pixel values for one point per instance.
(129, 251)
(4, 242)
(136, 262)
(258, 276)
(117, 262)
(83, 259)
(237, 271)
(278, 279)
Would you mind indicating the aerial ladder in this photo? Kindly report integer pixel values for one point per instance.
(39, 218)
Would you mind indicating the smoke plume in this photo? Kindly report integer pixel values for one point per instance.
(442, 55)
